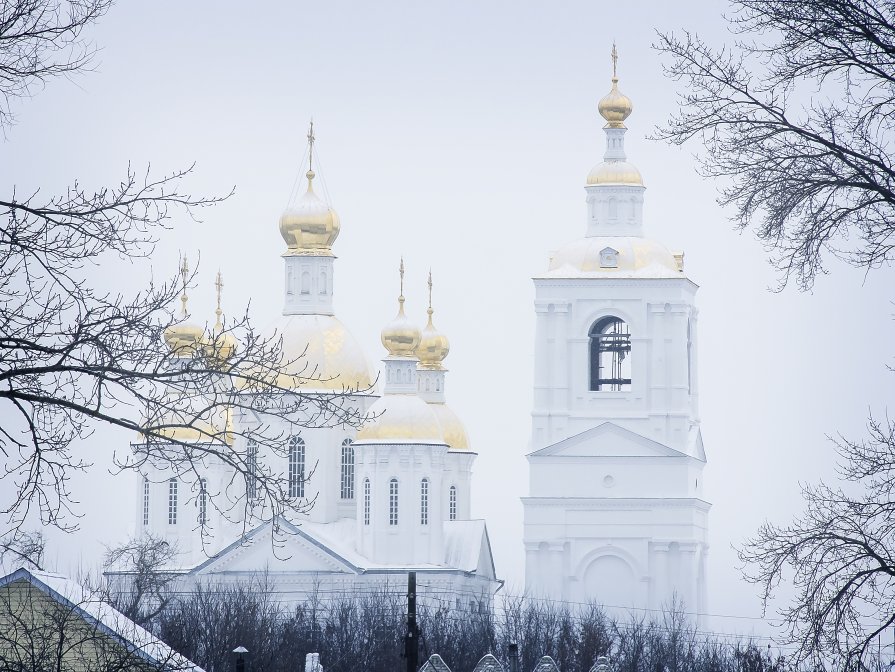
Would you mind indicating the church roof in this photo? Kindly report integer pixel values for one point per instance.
(609, 439)
(101, 615)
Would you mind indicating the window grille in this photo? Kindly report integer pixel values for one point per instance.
(610, 347)
(366, 501)
(424, 501)
(296, 466)
(393, 502)
(252, 469)
(203, 501)
(347, 470)
(172, 502)
(145, 500)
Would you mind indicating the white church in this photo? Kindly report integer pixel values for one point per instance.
(614, 512)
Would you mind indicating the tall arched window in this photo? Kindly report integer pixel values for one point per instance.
(424, 501)
(366, 501)
(251, 469)
(347, 470)
(145, 500)
(203, 501)
(393, 502)
(296, 466)
(452, 503)
(610, 347)
(172, 502)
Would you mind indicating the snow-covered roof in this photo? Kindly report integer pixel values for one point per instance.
(466, 548)
(107, 619)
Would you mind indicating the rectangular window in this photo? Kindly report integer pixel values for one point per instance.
(145, 501)
(203, 501)
(366, 501)
(172, 502)
(347, 490)
(296, 467)
(424, 501)
(252, 469)
(393, 502)
(452, 503)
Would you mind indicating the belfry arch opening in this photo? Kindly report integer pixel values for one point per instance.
(610, 355)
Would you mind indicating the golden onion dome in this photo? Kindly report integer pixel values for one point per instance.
(615, 172)
(616, 256)
(401, 418)
(400, 336)
(319, 353)
(615, 106)
(310, 226)
(451, 426)
(194, 421)
(220, 347)
(184, 339)
(434, 346)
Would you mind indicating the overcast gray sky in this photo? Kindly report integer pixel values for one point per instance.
(458, 135)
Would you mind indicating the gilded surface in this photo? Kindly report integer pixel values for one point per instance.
(402, 418)
(320, 354)
(454, 431)
(636, 257)
(310, 224)
(615, 172)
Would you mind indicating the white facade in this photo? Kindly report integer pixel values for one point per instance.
(615, 512)
(388, 498)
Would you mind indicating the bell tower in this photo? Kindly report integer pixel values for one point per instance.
(614, 512)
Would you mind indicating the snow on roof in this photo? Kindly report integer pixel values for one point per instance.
(463, 543)
(107, 619)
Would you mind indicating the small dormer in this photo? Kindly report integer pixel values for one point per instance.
(608, 258)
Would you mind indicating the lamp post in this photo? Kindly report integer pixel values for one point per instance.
(239, 659)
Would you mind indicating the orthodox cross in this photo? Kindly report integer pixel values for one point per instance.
(218, 285)
(184, 273)
(311, 147)
(614, 59)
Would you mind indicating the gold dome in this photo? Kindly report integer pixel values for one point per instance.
(454, 431)
(400, 336)
(220, 347)
(323, 353)
(401, 418)
(615, 256)
(184, 339)
(434, 346)
(615, 172)
(310, 226)
(615, 106)
(194, 422)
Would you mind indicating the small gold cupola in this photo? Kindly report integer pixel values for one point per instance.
(310, 226)
(222, 344)
(400, 336)
(615, 106)
(434, 346)
(184, 339)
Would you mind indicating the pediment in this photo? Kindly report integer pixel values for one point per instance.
(293, 550)
(607, 440)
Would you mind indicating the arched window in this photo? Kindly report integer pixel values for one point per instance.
(393, 502)
(452, 503)
(172, 502)
(610, 347)
(305, 282)
(613, 208)
(424, 501)
(347, 470)
(296, 466)
(366, 501)
(322, 288)
(203, 501)
(251, 469)
(145, 500)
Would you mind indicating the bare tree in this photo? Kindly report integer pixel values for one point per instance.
(146, 561)
(796, 117)
(840, 555)
(75, 355)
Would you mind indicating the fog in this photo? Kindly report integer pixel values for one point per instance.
(458, 136)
